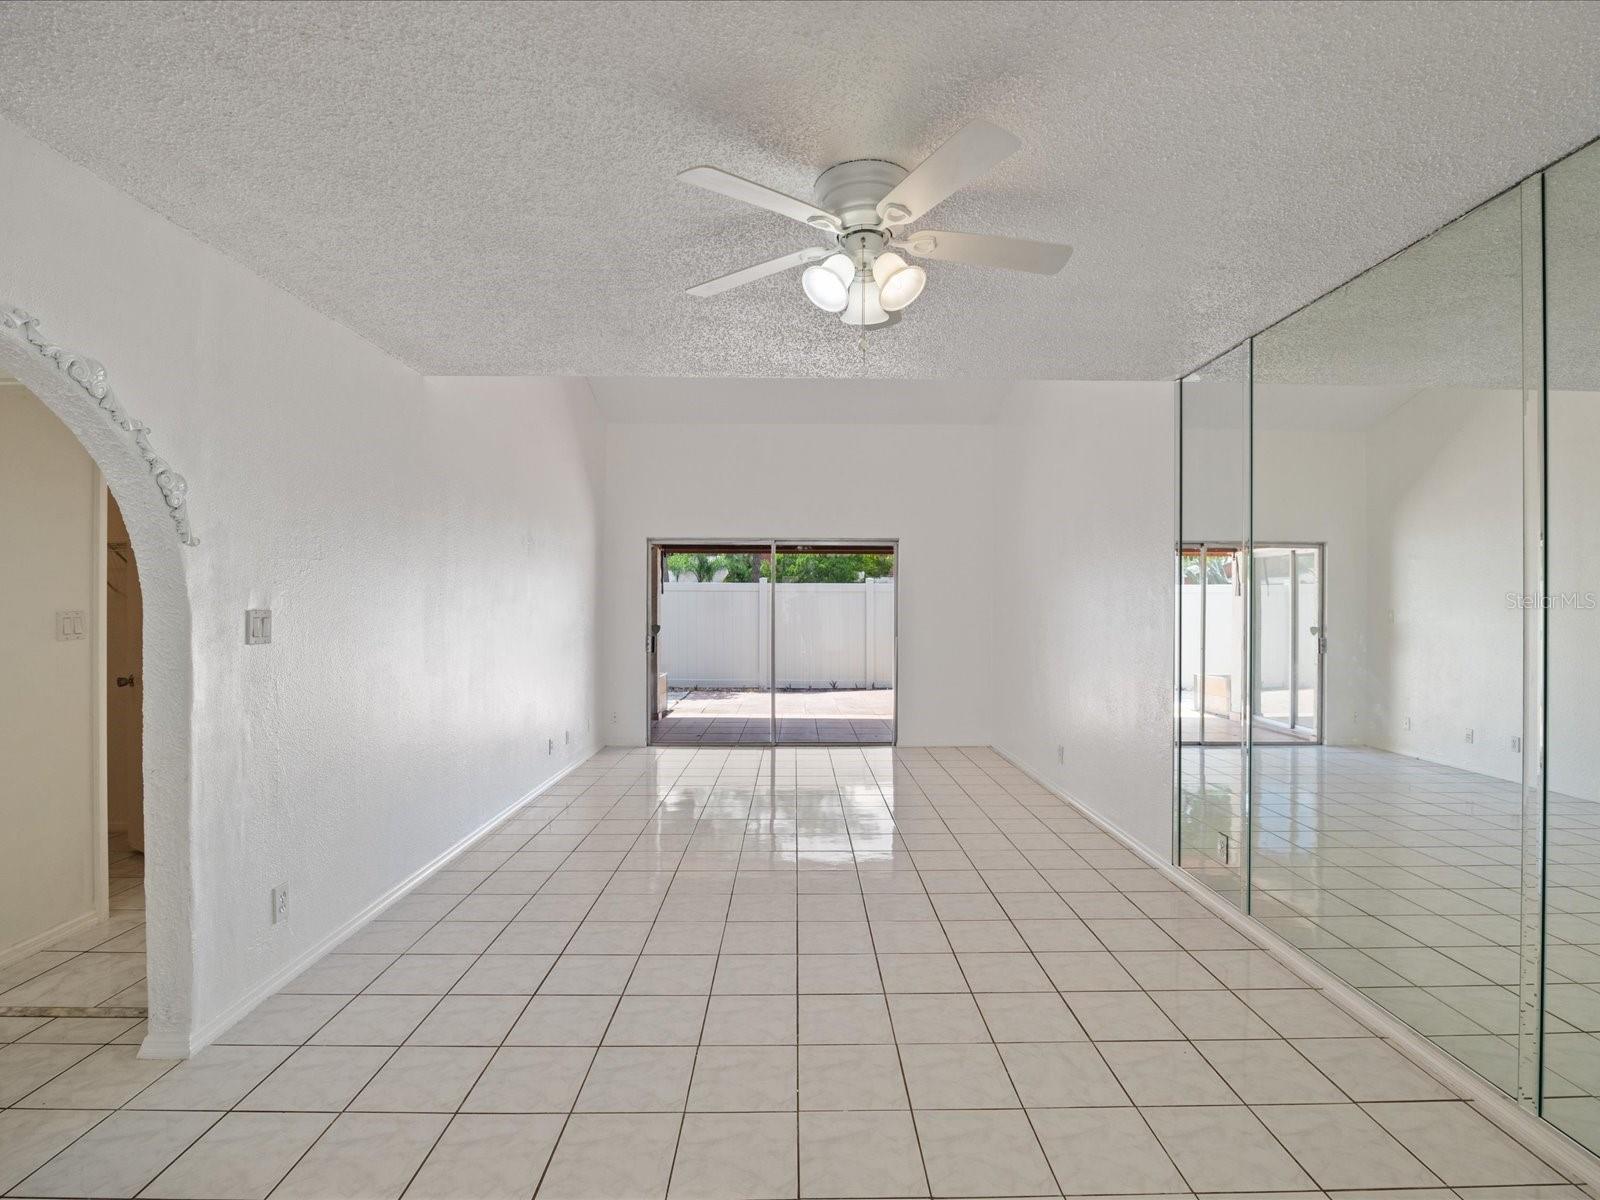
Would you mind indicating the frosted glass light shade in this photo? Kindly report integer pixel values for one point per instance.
(863, 306)
(827, 284)
(899, 283)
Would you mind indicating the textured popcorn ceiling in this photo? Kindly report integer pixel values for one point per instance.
(489, 189)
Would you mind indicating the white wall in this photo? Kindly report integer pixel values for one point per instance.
(1444, 520)
(931, 486)
(1085, 529)
(49, 501)
(1572, 753)
(428, 548)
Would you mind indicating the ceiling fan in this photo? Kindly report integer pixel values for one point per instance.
(864, 207)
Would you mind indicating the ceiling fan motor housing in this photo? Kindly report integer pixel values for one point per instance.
(852, 190)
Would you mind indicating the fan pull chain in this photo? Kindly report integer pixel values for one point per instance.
(863, 328)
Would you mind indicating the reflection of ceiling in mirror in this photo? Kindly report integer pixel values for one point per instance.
(1572, 269)
(1445, 312)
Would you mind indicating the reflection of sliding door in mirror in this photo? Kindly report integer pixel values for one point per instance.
(1211, 687)
(834, 640)
(1387, 428)
(1288, 631)
(1212, 699)
(710, 646)
(1571, 612)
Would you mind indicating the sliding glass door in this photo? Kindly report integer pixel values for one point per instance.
(772, 643)
(709, 646)
(833, 628)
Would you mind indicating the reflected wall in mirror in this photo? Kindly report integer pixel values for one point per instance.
(1571, 1064)
(1212, 696)
(1387, 515)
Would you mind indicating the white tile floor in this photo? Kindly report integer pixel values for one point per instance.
(737, 973)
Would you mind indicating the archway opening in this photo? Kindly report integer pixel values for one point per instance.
(119, 474)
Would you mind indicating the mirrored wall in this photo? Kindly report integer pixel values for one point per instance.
(1388, 628)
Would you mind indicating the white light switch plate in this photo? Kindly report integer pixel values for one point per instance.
(257, 626)
(72, 625)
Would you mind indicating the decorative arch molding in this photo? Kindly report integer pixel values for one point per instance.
(74, 388)
(90, 376)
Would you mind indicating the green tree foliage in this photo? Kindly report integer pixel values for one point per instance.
(740, 567)
(833, 568)
(792, 568)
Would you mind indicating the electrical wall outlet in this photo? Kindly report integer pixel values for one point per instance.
(1061, 754)
(72, 625)
(1470, 737)
(257, 626)
(280, 904)
(567, 736)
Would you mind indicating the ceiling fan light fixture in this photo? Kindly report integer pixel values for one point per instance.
(827, 284)
(899, 282)
(862, 206)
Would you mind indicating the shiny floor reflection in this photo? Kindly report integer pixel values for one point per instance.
(734, 973)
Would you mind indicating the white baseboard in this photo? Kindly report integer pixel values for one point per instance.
(174, 1044)
(165, 1046)
(1537, 1134)
(54, 934)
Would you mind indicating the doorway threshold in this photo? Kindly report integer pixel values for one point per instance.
(69, 1010)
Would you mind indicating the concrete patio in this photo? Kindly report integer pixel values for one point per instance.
(743, 716)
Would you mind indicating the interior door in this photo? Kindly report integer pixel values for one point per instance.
(124, 684)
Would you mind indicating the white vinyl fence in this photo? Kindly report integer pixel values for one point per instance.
(830, 635)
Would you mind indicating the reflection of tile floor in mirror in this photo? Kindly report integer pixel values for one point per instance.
(1401, 877)
(101, 966)
(732, 973)
(1225, 731)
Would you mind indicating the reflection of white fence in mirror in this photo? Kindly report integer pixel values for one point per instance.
(1223, 647)
(830, 635)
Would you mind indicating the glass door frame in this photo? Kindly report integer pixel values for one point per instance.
(658, 548)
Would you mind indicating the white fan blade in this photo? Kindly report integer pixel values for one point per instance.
(721, 182)
(967, 157)
(750, 274)
(986, 250)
